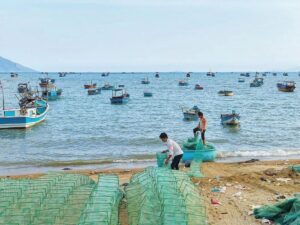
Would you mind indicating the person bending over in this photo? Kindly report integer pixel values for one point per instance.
(201, 126)
(174, 151)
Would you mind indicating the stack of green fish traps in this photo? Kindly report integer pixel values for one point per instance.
(159, 196)
(54, 199)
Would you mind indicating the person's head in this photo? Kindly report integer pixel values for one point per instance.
(163, 137)
(200, 114)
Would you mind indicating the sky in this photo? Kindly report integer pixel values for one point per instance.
(151, 35)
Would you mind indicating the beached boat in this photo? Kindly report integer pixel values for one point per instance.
(225, 93)
(241, 80)
(286, 86)
(257, 82)
(285, 74)
(198, 87)
(190, 114)
(119, 96)
(30, 113)
(51, 94)
(145, 81)
(183, 83)
(230, 119)
(46, 82)
(94, 91)
(157, 75)
(91, 85)
(23, 88)
(107, 87)
(14, 75)
(148, 94)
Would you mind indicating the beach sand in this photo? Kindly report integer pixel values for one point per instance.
(247, 185)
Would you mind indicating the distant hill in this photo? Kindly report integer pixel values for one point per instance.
(7, 66)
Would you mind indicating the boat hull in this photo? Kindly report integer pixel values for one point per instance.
(119, 101)
(230, 120)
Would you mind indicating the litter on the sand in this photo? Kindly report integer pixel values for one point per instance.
(238, 194)
(284, 179)
(221, 189)
(266, 221)
(215, 202)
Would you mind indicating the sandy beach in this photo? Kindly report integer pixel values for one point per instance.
(243, 186)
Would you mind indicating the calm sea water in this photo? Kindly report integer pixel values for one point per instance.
(83, 130)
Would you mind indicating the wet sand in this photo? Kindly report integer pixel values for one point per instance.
(247, 185)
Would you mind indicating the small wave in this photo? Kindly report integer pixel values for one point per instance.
(258, 153)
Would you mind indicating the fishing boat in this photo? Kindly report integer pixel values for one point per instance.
(51, 94)
(94, 91)
(62, 74)
(198, 87)
(190, 114)
(121, 85)
(247, 75)
(241, 80)
(183, 82)
(145, 81)
(257, 82)
(105, 74)
(46, 82)
(230, 119)
(148, 94)
(30, 113)
(264, 74)
(157, 75)
(274, 74)
(13, 75)
(188, 74)
(286, 86)
(285, 74)
(91, 85)
(225, 93)
(119, 96)
(23, 88)
(210, 74)
(107, 87)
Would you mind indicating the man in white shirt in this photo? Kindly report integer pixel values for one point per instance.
(174, 151)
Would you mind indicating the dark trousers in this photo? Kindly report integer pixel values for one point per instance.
(175, 162)
(202, 133)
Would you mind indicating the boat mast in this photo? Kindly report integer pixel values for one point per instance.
(3, 102)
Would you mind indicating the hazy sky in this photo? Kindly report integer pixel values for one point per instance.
(151, 35)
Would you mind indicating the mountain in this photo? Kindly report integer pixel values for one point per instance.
(7, 66)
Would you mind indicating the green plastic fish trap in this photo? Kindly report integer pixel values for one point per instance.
(58, 199)
(159, 196)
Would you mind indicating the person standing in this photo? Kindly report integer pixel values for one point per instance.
(201, 126)
(174, 151)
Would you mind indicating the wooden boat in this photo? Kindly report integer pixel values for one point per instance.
(230, 119)
(148, 94)
(14, 75)
(225, 93)
(23, 88)
(285, 74)
(183, 83)
(257, 82)
(30, 113)
(198, 87)
(119, 96)
(107, 87)
(241, 80)
(145, 81)
(286, 86)
(46, 82)
(94, 91)
(190, 114)
(157, 75)
(91, 85)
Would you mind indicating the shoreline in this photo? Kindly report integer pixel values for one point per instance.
(246, 186)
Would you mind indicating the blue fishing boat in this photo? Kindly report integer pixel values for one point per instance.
(119, 96)
(232, 119)
(257, 82)
(107, 87)
(94, 91)
(206, 152)
(31, 112)
(145, 81)
(190, 114)
(183, 82)
(286, 86)
(148, 94)
(14, 75)
(51, 93)
(241, 80)
(46, 82)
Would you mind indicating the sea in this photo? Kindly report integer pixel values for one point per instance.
(88, 132)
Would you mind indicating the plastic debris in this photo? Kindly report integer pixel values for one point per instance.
(266, 221)
(238, 194)
(285, 180)
(215, 202)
